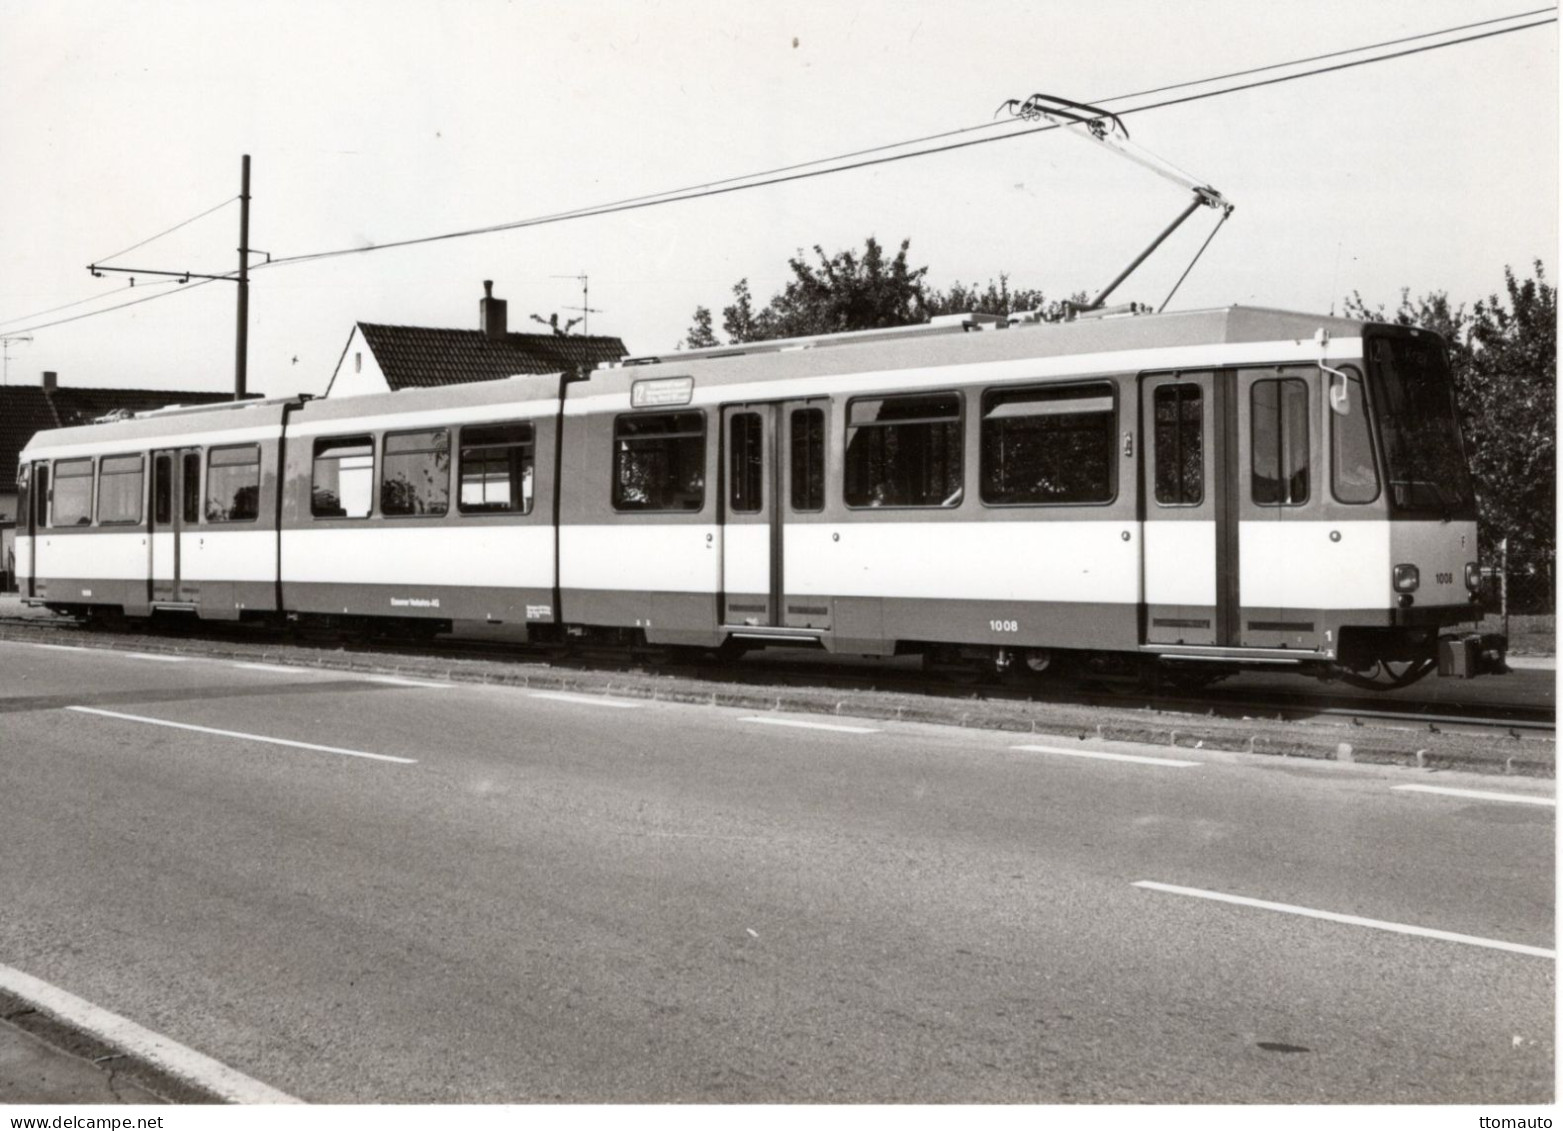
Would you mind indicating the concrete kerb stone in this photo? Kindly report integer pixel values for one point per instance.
(1269, 737)
(68, 1040)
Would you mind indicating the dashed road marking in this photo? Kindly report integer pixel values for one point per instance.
(400, 682)
(1479, 794)
(809, 726)
(121, 1033)
(157, 657)
(589, 700)
(279, 668)
(242, 734)
(1352, 920)
(1141, 759)
(64, 647)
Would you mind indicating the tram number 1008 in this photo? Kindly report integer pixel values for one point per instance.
(1004, 625)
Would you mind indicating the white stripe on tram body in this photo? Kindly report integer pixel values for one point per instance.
(100, 556)
(1067, 562)
(438, 417)
(1192, 546)
(217, 553)
(45, 448)
(1289, 564)
(496, 555)
(747, 553)
(653, 558)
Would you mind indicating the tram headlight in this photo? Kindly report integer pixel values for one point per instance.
(1407, 578)
(1473, 576)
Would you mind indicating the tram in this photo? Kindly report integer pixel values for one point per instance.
(1193, 493)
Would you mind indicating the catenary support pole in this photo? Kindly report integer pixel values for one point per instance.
(242, 338)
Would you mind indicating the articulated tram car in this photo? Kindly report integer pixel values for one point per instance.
(1197, 492)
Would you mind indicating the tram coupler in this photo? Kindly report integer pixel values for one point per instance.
(1473, 654)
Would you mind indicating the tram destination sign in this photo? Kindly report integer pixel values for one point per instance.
(659, 392)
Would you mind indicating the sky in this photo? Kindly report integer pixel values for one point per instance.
(384, 120)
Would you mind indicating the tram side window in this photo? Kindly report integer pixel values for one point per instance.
(496, 469)
(343, 481)
(1050, 445)
(416, 479)
(808, 459)
(904, 451)
(1279, 412)
(190, 484)
(233, 484)
(1180, 445)
(746, 470)
(163, 489)
(23, 494)
(120, 483)
(72, 492)
(1353, 472)
(41, 496)
(659, 462)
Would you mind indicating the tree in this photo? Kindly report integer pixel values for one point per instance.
(1510, 409)
(996, 299)
(1504, 360)
(845, 291)
(856, 291)
(701, 336)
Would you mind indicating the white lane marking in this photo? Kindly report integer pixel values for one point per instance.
(63, 647)
(1479, 794)
(589, 700)
(1352, 920)
(121, 1033)
(242, 734)
(809, 726)
(400, 682)
(155, 656)
(279, 668)
(1105, 756)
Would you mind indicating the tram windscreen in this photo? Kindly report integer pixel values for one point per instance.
(1413, 401)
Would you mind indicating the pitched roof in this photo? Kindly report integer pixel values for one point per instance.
(26, 409)
(423, 357)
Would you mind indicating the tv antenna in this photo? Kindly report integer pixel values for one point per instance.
(586, 309)
(5, 352)
(1104, 128)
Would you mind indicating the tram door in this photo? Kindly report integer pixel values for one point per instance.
(1285, 546)
(176, 508)
(36, 521)
(773, 465)
(1189, 430)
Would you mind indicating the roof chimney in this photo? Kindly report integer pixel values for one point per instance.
(491, 311)
(51, 381)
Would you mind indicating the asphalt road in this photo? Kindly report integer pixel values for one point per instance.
(556, 898)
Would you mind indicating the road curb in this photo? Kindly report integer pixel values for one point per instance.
(77, 1042)
(1383, 745)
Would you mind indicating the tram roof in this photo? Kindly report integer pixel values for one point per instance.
(948, 341)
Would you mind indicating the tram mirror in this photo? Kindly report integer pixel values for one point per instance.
(1340, 399)
(1340, 392)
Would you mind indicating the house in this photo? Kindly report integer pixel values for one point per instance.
(380, 359)
(26, 409)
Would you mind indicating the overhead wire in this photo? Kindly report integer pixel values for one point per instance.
(1327, 55)
(803, 172)
(167, 231)
(193, 285)
(104, 259)
(83, 301)
(806, 170)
